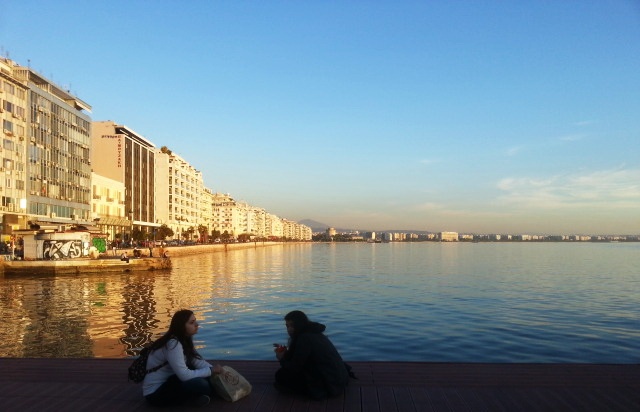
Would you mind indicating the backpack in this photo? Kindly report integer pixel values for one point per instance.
(138, 369)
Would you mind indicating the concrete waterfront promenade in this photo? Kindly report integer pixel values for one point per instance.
(110, 260)
(101, 385)
(174, 251)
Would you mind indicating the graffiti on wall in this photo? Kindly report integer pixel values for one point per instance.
(62, 249)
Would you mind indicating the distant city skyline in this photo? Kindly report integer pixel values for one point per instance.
(318, 227)
(472, 117)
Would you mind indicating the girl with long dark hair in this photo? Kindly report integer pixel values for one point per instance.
(181, 375)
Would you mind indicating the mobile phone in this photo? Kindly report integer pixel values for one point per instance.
(275, 345)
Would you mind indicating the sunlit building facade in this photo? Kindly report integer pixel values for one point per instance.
(107, 206)
(46, 149)
(448, 236)
(13, 184)
(185, 192)
(121, 154)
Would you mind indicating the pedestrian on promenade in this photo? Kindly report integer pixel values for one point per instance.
(310, 364)
(124, 257)
(183, 376)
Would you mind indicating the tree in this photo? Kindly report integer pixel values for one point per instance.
(244, 237)
(137, 234)
(188, 234)
(202, 230)
(164, 232)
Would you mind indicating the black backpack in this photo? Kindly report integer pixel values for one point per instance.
(138, 369)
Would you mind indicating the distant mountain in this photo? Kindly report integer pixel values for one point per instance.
(315, 225)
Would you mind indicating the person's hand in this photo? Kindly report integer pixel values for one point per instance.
(217, 369)
(280, 351)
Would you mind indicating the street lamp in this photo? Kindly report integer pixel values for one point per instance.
(131, 227)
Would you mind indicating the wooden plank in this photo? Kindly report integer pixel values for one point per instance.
(490, 402)
(101, 384)
(438, 399)
(420, 399)
(404, 399)
(471, 400)
(352, 400)
(386, 399)
(369, 396)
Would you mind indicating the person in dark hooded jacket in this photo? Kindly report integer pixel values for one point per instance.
(310, 365)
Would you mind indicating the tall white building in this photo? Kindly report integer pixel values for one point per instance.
(186, 189)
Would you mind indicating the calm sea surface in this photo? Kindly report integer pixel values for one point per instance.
(461, 302)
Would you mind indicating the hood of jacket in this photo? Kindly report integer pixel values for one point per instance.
(314, 327)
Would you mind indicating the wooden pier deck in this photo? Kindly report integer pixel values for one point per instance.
(101, 385)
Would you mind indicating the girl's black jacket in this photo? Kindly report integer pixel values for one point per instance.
(312, 356)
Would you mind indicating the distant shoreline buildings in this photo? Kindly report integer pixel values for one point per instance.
(332, 234)
(60, 168)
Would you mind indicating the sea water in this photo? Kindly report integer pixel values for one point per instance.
(427, 301)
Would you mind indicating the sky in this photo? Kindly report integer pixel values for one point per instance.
(469, 116)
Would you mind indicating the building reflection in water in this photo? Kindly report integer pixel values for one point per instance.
(114, 315)
(138, 312)
(46, 317)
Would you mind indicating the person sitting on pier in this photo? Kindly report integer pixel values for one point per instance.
(124, 257)
(310, 365)
(185, 375)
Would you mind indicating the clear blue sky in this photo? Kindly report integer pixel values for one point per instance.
(469, 116)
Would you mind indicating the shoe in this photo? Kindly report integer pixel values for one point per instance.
(201, 400)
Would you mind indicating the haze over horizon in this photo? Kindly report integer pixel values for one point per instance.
(485, 117)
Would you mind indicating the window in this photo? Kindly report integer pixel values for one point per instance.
(9, 88)
(7, 125)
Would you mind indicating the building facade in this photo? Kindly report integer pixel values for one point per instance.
(122, 155)
(45, 151)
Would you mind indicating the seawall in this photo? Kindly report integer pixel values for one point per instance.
(174, 251)
(107, 262)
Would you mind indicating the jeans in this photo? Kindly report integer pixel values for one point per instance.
(174, 391)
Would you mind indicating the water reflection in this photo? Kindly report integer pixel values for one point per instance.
(138, 312)
(114, 315)
(491, 303)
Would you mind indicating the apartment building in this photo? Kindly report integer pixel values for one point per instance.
(273, 226)
(45, 150)
(13, 113)
(206, 212)
(226, 216)
(107, 206)
(185, 193)
(257, 222)
(122, 155)
(448, 236)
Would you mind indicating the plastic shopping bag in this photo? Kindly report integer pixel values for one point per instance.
(230, 385)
